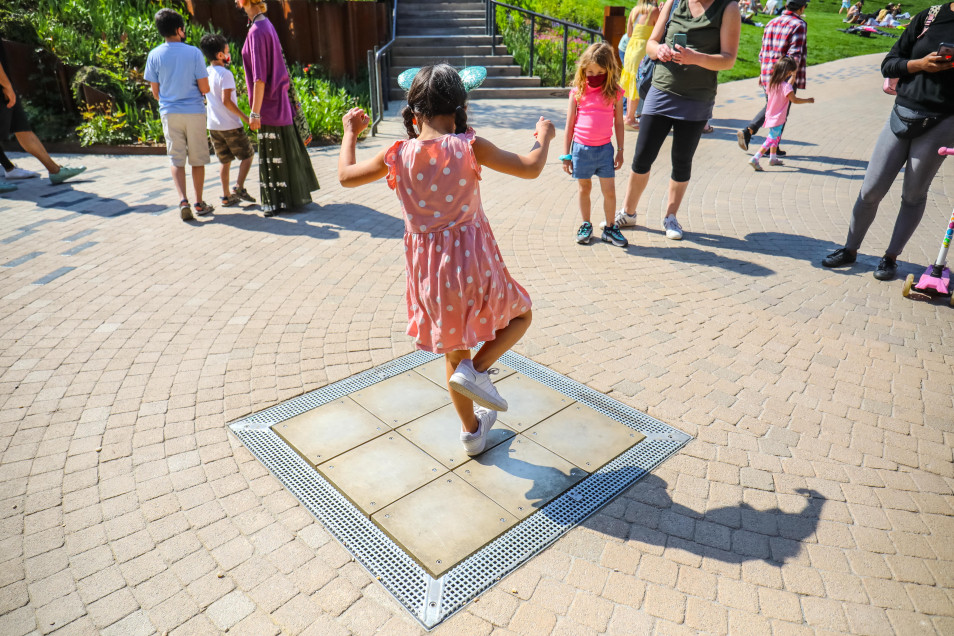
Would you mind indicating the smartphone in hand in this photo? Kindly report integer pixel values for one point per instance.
(680, 39)
(946, 50)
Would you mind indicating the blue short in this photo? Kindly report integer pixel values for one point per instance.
(590, 161)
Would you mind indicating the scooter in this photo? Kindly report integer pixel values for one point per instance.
(936, 279)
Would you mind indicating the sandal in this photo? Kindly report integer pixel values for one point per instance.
(708, 129)
(185, 211)
(243, 194)
(202, 208)
(230, 200)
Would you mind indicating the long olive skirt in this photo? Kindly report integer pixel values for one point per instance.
(285, 172)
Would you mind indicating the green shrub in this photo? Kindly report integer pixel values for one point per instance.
(548, 46)
(103, 126)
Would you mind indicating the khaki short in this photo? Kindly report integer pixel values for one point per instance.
(231, 144)
(186, 137)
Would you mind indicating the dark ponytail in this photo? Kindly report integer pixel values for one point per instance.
(408, 114)
(436, 90)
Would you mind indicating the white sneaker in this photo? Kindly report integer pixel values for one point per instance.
(20, 173)
(622, 219)
(477, 386)
(754, 162)
(672, 227)
(475, 443)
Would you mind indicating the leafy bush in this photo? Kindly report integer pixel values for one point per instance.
(548, 46)
(103, 126)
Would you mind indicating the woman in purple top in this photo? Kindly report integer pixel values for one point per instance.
(286, 176)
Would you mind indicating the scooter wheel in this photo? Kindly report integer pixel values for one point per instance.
(908, 282)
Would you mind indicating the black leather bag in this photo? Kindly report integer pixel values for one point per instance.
(907, 123)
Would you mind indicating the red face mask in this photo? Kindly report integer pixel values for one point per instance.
(595, 81)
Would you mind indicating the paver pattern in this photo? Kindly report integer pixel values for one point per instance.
(817, 497)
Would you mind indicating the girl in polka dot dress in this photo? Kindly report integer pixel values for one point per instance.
(459, 292)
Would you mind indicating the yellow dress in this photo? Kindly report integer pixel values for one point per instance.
(635, 52)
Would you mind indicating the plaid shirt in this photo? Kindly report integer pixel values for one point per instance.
(785, 35)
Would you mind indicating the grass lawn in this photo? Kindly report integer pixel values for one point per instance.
(825, 42)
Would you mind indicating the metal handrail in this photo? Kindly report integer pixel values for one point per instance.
(379, 100)
(492, 30)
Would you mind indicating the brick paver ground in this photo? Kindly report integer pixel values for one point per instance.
(126, 508)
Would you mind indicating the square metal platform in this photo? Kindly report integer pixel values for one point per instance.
(376, 457)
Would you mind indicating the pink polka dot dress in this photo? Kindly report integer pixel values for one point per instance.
(459, 291)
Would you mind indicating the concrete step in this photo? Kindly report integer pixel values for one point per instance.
(497, 82)
(441, 20)
(433, 52)
(447, 32)
(502, 93)
(459, 61)
(443, 42)
(408, 13)
(418, 5)
(507, 70)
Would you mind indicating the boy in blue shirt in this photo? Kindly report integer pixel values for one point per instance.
(176, 73)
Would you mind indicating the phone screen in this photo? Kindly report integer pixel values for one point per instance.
(946, 50)
(679, 39)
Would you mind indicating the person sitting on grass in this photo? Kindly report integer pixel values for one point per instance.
(225, 120)
(176, 73)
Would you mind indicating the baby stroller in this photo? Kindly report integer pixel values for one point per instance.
(936, 279)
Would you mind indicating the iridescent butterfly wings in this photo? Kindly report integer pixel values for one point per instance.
(472, 76)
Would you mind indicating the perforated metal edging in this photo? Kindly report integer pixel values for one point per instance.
(431, 601)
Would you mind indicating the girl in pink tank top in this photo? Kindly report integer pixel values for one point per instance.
(459, 291)
(594, 114)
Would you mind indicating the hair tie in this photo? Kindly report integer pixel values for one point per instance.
(460, 108)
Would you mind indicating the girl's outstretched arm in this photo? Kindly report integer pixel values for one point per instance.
(528, 166)
(350, 173)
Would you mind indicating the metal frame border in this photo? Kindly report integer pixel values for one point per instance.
(430, 601)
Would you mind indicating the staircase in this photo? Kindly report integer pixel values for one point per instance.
(430, 31)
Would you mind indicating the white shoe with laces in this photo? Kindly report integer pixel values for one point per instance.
(672, 227)
(622, 219)
(467, 381)
(19, 173)
(475, 443)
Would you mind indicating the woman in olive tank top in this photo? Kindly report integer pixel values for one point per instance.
(682, 95)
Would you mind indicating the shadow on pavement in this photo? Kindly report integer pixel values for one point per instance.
(66, 198)
(316, 221)
(731, 534)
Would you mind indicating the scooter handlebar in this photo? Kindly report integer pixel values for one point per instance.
(945, 151)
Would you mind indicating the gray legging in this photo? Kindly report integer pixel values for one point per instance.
(920, 161)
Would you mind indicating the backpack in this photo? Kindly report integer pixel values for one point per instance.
(890, 85)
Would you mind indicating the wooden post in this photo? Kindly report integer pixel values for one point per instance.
(614, 24)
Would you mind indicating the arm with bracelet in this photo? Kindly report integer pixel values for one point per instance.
(567, 157)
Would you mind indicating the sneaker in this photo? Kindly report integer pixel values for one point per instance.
(475, 443)
(243, 194)
(744, 137)
(839, 258)
(467, 381)
(775, 161)
(202, 208)
(65, 173)
(585, 233)
(887, 268)
(754, 162)
(185, 210)
(6, 186)
(231, 200)
(780, 152)
(672, 227)
(20, 173)
(614, 236)
(622, 219)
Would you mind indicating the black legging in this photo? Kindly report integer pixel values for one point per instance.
(5, 162)
(652, 133)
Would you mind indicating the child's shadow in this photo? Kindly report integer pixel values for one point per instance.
(733, 534)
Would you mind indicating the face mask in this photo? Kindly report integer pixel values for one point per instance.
(227, 60)
(595, 81)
